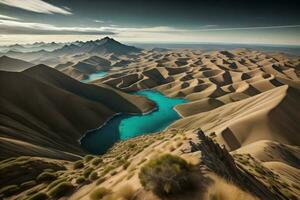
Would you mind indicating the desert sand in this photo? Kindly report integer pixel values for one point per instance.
(244, 101)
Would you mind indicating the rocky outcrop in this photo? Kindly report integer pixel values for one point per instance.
(219, 160)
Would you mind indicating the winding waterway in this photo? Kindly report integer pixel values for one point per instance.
(124, 126)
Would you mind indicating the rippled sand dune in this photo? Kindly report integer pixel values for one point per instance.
(248, 99)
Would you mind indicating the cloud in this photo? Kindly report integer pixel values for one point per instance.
(20, 27)
(38, 6)
(99, 21)
(204, 28)
(250, 28)
(8, 17)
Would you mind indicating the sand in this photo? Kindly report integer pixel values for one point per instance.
(243, 99)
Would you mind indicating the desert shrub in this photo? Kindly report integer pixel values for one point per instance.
(126, 164)
(99, 193)
(9, 190)
(87, 172)
(88, 158)
(28, 184)
(39, 196)
(54, 183)
(100, 180)
(46, 176)
(96, 161)
(107, 169)
(60, 189)
(113, 173)
(126, 192)
(78, 164)
(93, 176)
(80, 180)
(165, 174)
(132, 145)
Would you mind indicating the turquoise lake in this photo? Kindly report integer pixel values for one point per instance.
(94, 76)
(124, 126)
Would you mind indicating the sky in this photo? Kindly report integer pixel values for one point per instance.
(164, 21)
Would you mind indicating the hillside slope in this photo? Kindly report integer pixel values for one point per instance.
(46, 109)
(13, 65)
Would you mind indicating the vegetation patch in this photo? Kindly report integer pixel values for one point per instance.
(96, 161)
(78, 164)
(166, 174)
(9, 190)
(46, 176)
(87, 172)
(99, 193)
(80, 180)
(61, 189)
(39, 196)
(93, 176)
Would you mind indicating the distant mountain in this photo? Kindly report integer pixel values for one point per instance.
(85, 67)
(104, 46)
(37, 46)
(45, 113)
(13, 65)
(67, 52)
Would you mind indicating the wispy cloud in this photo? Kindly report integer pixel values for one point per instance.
(250, 28)
(8, 17)
(38, 6)
(20, 27)
(99, 21)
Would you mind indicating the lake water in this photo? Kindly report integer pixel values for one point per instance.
(94, 76)
(124, 126)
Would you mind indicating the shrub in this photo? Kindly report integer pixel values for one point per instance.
(126, 192)
(93, 176)
(107, 169)
(113, 173)
(99, 193)
(28, 184)
(80, 180)
(87, 172)
(100, 180)
(126, 165)
(132, 145)
(88, 158)
(39, 196)
(60, 189)
(9, 190)
(166, 174)
(78, 164)
(46, 176)
(54, 183)
(96, 161)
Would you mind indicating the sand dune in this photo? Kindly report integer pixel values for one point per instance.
(13, 65)
(48, 109)
(270, 115)
(248, 99)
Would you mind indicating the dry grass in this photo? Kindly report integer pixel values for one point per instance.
(223, 190)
